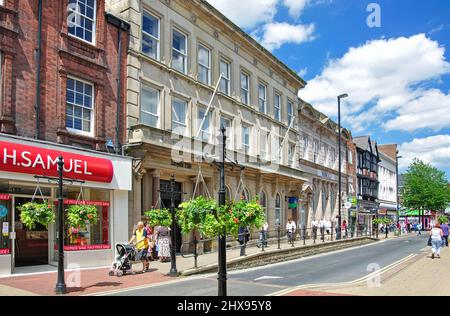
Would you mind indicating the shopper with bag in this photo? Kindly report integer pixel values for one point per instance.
(436, 241)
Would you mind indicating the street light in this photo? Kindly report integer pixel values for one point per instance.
(396, 170)
(222, 274)
(342, 96)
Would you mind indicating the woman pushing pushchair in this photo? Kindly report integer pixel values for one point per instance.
(141, 238)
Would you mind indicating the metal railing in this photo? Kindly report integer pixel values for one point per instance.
(278, 237)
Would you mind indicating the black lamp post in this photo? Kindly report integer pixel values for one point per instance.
(60, 284)
(396, 170)
(222, 274)
(338, 236)
(173, 258)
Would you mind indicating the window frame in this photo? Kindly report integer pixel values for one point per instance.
(305, 146)
(224, 78)
(94, 24)
(265, 145)
(246, 147)
(315, 151)
(209, 117)
(277, 110)
(158, 115)
(92, 110)
(263, 100)
(244, 91)
(186, 103)
(350, 157)
(158, 40)
(290, 105)
(185, 55)
(291, 154)
(201, 66)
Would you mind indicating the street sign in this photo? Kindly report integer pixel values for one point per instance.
(348, 205)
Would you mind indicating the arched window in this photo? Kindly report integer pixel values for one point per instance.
(227, 194)
(263, 202)
(278, 209)
(246, 194)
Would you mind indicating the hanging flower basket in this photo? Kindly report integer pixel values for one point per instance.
(33, 213)
(193, 214)
(159, 217)
(78, 215)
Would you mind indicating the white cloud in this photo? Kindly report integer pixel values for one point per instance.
(295, 7)
(432, 110)
(277, 34)
(247, 13)
(380, 76)
(434, 149)
(303, 72)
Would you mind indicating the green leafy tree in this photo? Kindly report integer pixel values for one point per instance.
(426, 187)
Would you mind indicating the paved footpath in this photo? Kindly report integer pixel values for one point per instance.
(90, 281)
(420, 276)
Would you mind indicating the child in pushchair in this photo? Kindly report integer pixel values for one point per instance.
(126, 256)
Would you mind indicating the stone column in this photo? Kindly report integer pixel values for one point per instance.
(156, 177)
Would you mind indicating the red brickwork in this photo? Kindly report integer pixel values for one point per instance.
(62, 56)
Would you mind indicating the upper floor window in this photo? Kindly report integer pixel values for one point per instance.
(150, 107)
(179, 51)
(262, 98)
(290, 111)
(82, 19)
(277, 106)
(315, 150)
(246, 139)
(291, 153)
(264, 145)
(225, 81)
(205, 131)
(150, 35)
(204, 65)
(80, 106)
(179, 111)
(332, 157)
(245, 88)
(350, 157)
(305, 146)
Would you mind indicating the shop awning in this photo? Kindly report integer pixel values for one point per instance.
(414, 213)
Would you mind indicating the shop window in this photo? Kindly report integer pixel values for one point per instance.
(5, 221)
(94, 236)
(278, 209)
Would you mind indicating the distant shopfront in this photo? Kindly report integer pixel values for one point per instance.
(107, 180)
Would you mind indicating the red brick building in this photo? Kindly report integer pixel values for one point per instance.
(78, 90)
(62, 91)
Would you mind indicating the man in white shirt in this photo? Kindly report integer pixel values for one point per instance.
(314, 225)
(322, 229)
(328, 227)
(290, 229)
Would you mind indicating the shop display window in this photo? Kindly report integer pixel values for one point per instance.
(5, 219)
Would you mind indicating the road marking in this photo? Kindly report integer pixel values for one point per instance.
(268, 277)
(341, 284)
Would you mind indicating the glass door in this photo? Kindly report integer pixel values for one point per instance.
(31, 245)
(5, 224)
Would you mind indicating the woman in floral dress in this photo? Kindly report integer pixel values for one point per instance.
(163, 240)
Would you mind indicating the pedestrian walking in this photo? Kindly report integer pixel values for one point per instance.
(344, 228)
(444, 228)
(290, 229)
(263, 235)
(243, 238)
(328, 227)
(314, 225)
(140, 240)
(419, 229)
(436, 235)
(162, 237)
(322, 229)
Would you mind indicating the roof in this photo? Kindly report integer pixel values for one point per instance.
(252, 41)
(361, 142)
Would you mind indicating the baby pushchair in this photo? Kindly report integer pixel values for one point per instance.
(123, 264)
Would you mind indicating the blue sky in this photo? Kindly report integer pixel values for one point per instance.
(397, 74)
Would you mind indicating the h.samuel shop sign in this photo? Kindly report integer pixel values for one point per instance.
(41, 161)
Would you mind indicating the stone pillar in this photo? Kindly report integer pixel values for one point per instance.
(156, 177)
(135, 214)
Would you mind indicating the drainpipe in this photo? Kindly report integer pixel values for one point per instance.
(37, 105)
(122, 26)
